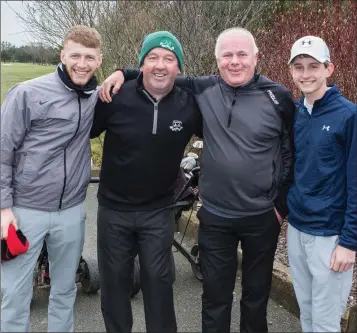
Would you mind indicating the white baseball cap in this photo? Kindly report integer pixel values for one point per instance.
(313, 46)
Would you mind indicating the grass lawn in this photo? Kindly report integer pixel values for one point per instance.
(13, 73)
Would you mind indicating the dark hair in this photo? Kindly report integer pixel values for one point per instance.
(326, 63)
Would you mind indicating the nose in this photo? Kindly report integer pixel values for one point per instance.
(81, 62)
(235, 59)
(160, 64)
(305, 73)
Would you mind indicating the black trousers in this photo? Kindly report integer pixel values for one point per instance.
(218, 239)
(121, 236)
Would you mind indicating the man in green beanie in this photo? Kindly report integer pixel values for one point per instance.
(148, 125)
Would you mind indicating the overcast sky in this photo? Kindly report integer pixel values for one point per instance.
(11, 31)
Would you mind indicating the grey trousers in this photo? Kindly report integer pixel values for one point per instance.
(322, 294)
(64, 234)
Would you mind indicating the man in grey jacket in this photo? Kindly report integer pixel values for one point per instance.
(246, 170)
(45, 170)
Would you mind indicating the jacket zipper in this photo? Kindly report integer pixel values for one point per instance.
(156, 112)
(64, 152)
(231, 109)
(154, 125)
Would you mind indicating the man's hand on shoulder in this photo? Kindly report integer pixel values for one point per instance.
(114, 81)
(7, 218)
(342, 259)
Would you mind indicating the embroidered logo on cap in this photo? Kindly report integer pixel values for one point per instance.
(167, 45)
(307, 42)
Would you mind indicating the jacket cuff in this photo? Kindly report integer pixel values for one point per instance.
(6, 203)
(349, 246)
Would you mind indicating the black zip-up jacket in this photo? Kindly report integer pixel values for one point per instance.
(144, 143)
(247, 156)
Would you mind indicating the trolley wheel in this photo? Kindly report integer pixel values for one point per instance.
(90, 283)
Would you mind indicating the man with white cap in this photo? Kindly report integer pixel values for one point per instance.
(322, 233)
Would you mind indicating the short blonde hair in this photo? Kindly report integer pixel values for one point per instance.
(237, 31)
(88, 37)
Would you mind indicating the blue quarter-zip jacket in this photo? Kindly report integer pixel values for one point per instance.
(322, 200)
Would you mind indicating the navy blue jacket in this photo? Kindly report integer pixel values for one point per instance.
(322, 200)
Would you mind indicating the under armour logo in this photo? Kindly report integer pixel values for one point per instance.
(306, 42)
(326, 128)
(176, 125)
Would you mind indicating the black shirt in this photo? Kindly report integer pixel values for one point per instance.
(144, 143)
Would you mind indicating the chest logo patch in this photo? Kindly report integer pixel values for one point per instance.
(325, 128)
(176, 126)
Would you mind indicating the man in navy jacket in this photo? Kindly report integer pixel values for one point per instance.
(322, 235)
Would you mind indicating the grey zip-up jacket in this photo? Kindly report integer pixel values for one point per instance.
(45, 147)
(247, 156)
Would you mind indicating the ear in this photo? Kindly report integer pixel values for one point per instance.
(291, 70)
(256, 58)
(100, 60)
(330, 69)
(63, 57)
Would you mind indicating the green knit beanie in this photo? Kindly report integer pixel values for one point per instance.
(162, 39)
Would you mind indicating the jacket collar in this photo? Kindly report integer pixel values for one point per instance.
(252, 83)
(329, 95)
(140, 87)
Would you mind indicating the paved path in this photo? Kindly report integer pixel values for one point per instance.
(187, 290)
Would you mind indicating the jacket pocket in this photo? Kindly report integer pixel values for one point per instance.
(29, 170)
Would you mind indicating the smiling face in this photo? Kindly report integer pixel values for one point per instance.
(310, 76)
(81, 62)
(160, 68)
(236, 59)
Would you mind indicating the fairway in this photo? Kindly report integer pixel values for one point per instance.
(13, 73)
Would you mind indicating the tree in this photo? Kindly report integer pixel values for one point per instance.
(333, 20)
(123, 25)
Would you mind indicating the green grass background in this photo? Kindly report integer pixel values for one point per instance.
(13, 73)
